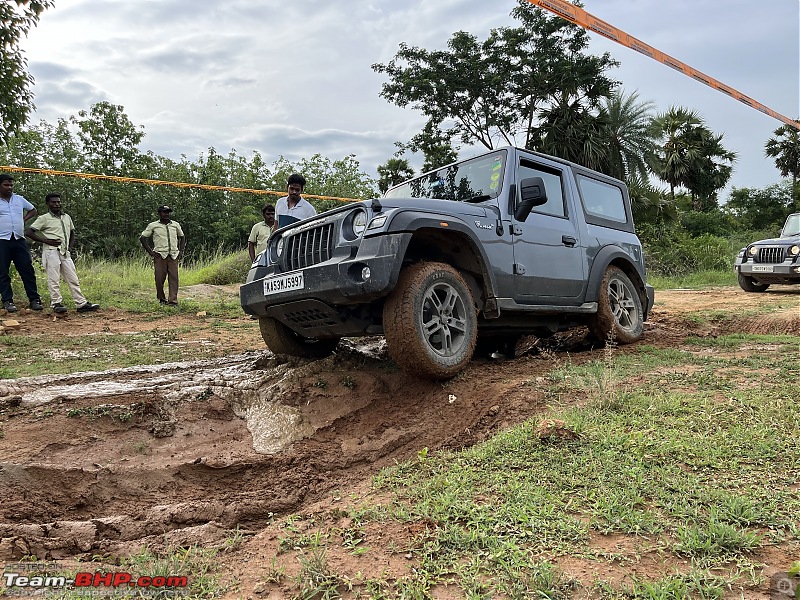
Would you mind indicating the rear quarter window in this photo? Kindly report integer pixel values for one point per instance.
(604, 204)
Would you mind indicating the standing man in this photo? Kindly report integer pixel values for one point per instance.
(14, 212)
(56, 232)
(294, 205)
(261, 231)
(167, 251)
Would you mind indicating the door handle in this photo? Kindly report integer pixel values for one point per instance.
(568, 240)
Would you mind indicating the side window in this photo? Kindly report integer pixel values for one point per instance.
(552, 184)
(602, 200)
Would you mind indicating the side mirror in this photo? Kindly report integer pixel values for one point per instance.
(532, 193)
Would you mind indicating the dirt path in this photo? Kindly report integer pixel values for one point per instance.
(102, 463)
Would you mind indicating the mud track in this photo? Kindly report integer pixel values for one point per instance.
(175, 454)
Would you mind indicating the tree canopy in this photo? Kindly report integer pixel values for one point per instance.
(513, 88)
(16, 98)
(110, 215)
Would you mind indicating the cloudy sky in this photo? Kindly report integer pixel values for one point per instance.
(294, 78)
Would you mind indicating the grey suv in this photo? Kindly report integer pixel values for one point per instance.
(771, 261)
(472, 255)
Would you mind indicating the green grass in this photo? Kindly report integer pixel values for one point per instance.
(697, 280)
(693, 455)
(128, 283)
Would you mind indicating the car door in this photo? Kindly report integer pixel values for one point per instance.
(549, 258)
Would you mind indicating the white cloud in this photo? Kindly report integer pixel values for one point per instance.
(295, 78)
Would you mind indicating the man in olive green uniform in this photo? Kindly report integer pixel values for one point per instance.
(56, 232)
(261, 231)
(167, 250)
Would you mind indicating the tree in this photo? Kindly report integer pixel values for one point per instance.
(505, 87)
(711, 172)
(629, 136)
(690, 155)
(16, 98)
(339, 178)
(110, 141)
(434, 144)
(784, 147)
(396, 170)
(761, 209)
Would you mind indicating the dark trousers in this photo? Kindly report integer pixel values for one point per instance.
(18, 252)
(166, 267)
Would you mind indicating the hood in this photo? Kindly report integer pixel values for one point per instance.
(437, 206)
(786, 241)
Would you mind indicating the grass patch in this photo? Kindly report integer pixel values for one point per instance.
(696, 280)
(688, 454)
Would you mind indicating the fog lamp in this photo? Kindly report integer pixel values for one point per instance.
(365, 273)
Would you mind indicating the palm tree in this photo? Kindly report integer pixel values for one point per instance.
(630, 138)
(572, 132)
(393, 172)
(711, 172)
(785, 149)
(679, 141)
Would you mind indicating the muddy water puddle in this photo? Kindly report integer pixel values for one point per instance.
(250, 384)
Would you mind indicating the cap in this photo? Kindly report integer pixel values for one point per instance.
(164, 208)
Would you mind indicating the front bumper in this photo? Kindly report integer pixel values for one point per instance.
(779, 273)
(338, 281)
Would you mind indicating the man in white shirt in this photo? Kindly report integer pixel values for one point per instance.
(293, 205)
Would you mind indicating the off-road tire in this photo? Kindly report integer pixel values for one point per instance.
(282, 340)
(748, 284)
(430, 321)
(619, 313)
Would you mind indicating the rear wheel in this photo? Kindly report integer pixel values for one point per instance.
(430, 322)
(748, 284)
(282, 340)
(619, 313)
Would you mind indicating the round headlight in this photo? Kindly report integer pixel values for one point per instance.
(279, 247)
(794, 250)
(752, 251)
(359, 222)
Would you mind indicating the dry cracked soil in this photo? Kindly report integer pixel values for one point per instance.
(103, 463)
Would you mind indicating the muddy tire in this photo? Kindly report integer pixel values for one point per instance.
(430, 321)
(619, 312)
(282, 340)
(748, 284)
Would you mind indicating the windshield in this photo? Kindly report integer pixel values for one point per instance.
(468, 180)
(792, 226)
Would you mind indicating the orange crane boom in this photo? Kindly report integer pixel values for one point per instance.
(580, 17)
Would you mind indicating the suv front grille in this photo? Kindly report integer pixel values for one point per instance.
(309, 247)
(770, 254)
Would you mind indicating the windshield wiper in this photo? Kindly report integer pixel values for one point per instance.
(479, 198)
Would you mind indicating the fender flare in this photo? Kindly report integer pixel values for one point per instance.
(606, 256)
(411, 221)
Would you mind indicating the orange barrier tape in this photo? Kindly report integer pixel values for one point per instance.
(178, 184)
(580, 17)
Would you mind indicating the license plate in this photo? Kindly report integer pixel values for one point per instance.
(284, 283)
(762, 268)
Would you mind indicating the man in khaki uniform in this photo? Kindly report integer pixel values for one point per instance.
(167, 250)
(56, 232)
(261, 231)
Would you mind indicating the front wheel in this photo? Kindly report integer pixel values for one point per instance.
(619, 313)
(282, 340)
(748, 284)
(430, 321)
